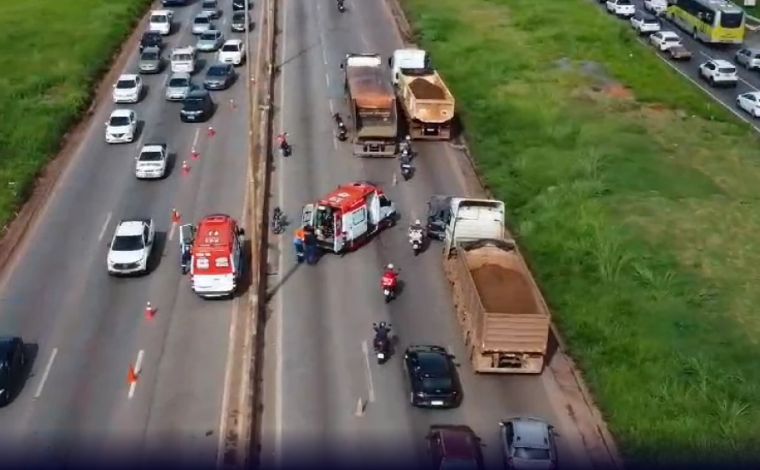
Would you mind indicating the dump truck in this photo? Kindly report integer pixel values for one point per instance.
(372, 103)
(503, 316)
(426, 102)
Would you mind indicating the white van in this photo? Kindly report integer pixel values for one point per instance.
(183, 59)
(657, 7)
(161, 21)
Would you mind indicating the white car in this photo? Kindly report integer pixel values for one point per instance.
(645, 24)
(183, 59)
(151, 162)
(719, 72)
(750, 102)
(161, 21)
(232, 52)
(130, 247)
(657, 7)
(127, 89)
(664, 40)
(622, 8)
(121, 126)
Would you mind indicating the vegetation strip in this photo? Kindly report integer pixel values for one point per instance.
(636, 200)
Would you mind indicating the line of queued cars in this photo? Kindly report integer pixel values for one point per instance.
(716, 72)
(131, 246)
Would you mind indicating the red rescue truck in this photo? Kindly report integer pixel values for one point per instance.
(216, 264)
(349, 215)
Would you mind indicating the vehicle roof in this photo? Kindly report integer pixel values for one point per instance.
(667, 34)
(530, 432)
(233, 41)
(457, 442)
(215, 32)
(161, 12)
(348, 196)
(155, 49)
(197, 93)
(203, 14)
(721, 63)
(153, 148)
(129, 227)
(121, 112)
(183, 49)
(219, 65)
(753, 93)
(720, 5)
(180, 75)
(215, 233)
(433, 360)
(127, 76)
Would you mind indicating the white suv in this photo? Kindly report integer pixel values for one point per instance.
(151, 162)
(664, 40)
(645, 24)
(183, 59)
(161, 21)
(127, 89)
(657, 7)
(719, 72)
(622, 8)
(131, 246)
(232, 52)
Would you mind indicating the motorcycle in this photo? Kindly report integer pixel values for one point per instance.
(407, 169)
(278, 221)
(382, 344)
(342, 131)
(341, 7)
(389, 284)
(285, 149)
(415, 239)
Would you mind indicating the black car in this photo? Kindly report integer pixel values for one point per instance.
(12, 362)
(174, 3)
(219, 77)
(197, 106)
(151, 39)
(240, 4)
(439, 213)
(239, 21)
(432, 376)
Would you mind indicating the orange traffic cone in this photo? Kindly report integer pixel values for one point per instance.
(185, 167)
(150, 311)
(211, 131)
(131, 376)
(194, 153)
(175, 216)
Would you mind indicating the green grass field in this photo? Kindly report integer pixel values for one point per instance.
(637, 201)
(51, 55)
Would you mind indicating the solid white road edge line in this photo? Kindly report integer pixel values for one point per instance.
(105, 226)
(46, 373)
(171, 231)
(370, 385)
(138, 369)
(227, 378)
(195, 137)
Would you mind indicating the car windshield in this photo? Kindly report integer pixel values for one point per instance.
(179, 82)
(670, 39)
(432, 384)
(209, 36)
(238, 17)
(150, 37)
(194, 104)
(150, 156)
(119, 121)
(726, 70)
(209, 4)
(125, 84)
(528, 453)
(731, 20)
(230, 48)
(182, 57)
(458, 464)
(158, 19)
(201, 20)
(624, 2)
(150, 55)
(217, 71)
(128, 243)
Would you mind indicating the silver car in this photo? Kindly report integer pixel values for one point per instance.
(202, 23)
(178, 86)
(749, 58)
(210, 41)
(150, 60)
(211, 7)
(528, 443)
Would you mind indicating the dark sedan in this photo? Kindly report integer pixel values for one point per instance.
(12, 364)
(219, 77)
(238, 5)
(151, 39)
(432, 377)
(239, 21)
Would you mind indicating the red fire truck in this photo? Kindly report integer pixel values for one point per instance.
(349, 215)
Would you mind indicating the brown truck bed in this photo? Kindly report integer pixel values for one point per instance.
(369, 87)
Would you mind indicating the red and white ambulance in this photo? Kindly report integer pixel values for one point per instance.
(217, 256)
(349, 215)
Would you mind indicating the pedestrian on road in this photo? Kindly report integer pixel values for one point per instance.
(298, 243)
(310, 240)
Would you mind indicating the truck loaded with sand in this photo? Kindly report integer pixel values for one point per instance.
(503, 316)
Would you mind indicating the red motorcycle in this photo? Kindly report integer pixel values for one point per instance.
(389, 283)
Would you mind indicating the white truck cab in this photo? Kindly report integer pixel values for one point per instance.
(410, 61)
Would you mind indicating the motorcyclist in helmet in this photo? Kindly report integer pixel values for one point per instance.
(381, 331)
(390, 276)
(416, 230)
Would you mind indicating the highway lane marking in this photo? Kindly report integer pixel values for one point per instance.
(105, 226)
(370, 385)
(737, 72)
(327, 78)
(171, 231)
(195, 137)
(138, 369)
(46, 373)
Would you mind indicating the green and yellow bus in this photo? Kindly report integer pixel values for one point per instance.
(710, 21)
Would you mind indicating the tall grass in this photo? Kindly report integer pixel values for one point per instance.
(51, 54)
(636, 199)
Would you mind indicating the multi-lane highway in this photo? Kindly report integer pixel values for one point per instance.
(85, 328)
(748, 80)
(318, 328)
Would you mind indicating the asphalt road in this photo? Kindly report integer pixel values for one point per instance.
(320, 320)
(86, 328)
(726, 96)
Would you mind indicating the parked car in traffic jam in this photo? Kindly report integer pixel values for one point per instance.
(12, 367)
(219, 77)
(197, 106)
(432, 377)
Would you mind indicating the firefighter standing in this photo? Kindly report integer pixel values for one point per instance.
(298, 243)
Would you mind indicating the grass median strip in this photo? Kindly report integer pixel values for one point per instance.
(51, 55)
(637, 202)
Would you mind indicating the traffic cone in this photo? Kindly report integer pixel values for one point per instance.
(194, 154)
(211, 131)
(131, 376)
(175, 216)
(185, 167)
(150, 311)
